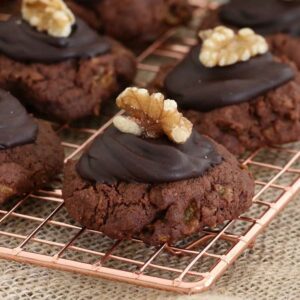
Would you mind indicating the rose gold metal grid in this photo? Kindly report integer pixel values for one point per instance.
(192, 265)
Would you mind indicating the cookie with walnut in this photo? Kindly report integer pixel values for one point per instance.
(277, 20)
(30, 151)
(61, 68)
(151, 185)
(234, 90)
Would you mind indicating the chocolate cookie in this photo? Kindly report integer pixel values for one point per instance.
(133, 22)
(128, 186)
(64, 78)
(278, 20)
(243, 107)
(30, 151)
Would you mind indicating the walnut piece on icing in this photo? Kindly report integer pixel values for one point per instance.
(151, 115)
(127, 125)
(223, 47)
(51, 16)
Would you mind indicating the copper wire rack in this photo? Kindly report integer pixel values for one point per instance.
(36, 229)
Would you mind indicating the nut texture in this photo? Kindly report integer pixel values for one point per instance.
(52, 16)
(223, 47)
(127, 125)
(152, 116)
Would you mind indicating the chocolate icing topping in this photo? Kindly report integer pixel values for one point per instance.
(22, 42)
(87, 2)
(264, 16)
(196, 87)
(116, 156)
(16, 126)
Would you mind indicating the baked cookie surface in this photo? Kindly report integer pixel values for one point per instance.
(133, 22)
(244, 106)
(62, 78)
(158, 213)
(85, 84)
(156, 184)
(30, 151)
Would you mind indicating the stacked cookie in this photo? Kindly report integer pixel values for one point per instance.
(152, 174)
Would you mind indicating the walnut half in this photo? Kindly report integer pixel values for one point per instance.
(151, 116)
(51, 16)
(223, 47)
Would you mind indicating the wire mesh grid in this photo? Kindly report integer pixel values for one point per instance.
(36, 229)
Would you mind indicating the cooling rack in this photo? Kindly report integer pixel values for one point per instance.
(36, 229)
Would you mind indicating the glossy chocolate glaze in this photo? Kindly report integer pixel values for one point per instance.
(16, 126)
(264, 16)
(20, 41)
(196, 87)
(118, 157)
